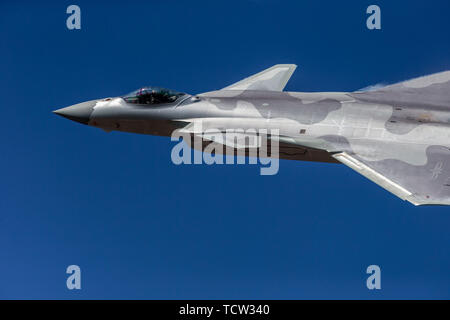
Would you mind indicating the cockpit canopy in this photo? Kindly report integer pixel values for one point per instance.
(152, 95)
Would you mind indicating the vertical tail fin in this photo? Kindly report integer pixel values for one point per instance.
(273, 79)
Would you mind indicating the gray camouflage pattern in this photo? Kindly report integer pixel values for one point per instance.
(398, 136)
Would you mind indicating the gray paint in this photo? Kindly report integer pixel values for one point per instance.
(398, 136)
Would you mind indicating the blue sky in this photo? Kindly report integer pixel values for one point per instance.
(141, 227)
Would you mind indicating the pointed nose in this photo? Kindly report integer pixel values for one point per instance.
(80, 112)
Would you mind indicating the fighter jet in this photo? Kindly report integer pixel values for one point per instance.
(398, 136)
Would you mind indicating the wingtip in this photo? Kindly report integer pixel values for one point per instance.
(290, 65)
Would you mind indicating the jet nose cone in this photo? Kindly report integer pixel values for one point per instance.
(80, 112)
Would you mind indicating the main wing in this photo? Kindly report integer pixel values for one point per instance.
(420, 184)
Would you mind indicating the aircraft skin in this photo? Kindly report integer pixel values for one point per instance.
(398, 136)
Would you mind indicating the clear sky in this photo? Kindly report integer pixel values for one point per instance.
(140, 226)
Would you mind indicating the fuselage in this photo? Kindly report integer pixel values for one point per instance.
(302, 116)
